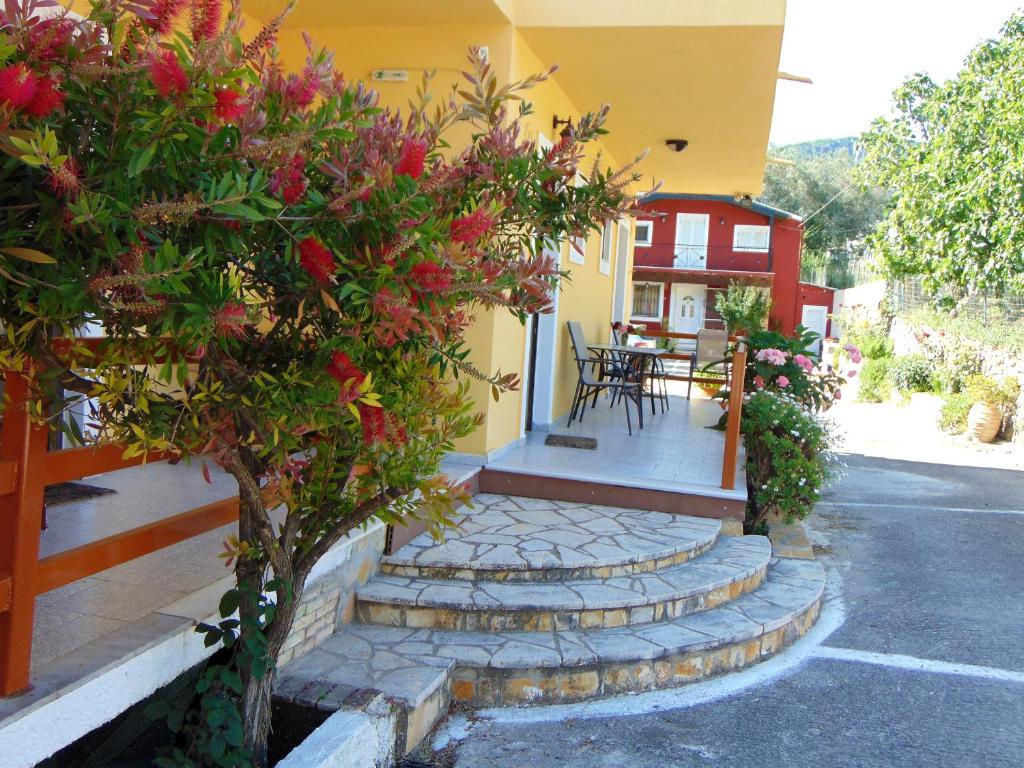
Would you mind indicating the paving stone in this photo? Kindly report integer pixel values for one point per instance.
(507, 533)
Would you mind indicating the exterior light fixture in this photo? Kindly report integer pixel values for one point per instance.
(745, 200)
(565, 132)
(677, 145)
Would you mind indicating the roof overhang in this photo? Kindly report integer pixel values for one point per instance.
(690, 69)
(700, 71)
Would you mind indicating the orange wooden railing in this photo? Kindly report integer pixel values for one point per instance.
(26, 468)
(735, 414)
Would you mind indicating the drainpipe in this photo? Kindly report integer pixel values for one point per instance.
(771, 241)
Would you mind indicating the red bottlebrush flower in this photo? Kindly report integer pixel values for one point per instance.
(228, 108)
(431, 276)
(65, 181)
(230, 320)
(374, 424)
(301, 91)
(47, 98)
(414, 151)
(18, 85)
(205, 19)
(347, 374)
(48, 38)
(165, 13)
(289, 181)
(167, 74)
(316, 260)
(470, 228)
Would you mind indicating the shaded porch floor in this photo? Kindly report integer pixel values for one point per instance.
(676, 451)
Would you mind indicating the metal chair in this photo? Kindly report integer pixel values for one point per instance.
(657, 377)
(710, 353)
(589, 384)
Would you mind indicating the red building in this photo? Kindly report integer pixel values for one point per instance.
(693, 246)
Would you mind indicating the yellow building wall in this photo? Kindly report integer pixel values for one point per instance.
(497, 339)
(587, 295)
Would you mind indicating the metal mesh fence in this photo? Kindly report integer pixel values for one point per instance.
(910, 294)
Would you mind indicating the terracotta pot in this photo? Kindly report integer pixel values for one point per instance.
(983, 422)
(709, 389)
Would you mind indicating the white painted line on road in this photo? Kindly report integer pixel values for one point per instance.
(916, 664)
(916, 506)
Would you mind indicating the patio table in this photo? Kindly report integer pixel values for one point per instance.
(642, 355)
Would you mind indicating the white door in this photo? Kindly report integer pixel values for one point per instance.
(691, 248)
(815, 318)
(622, 281)
(687, 308)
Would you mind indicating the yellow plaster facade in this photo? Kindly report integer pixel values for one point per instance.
(690, 69)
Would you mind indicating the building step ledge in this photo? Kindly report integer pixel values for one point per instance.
(734, 567)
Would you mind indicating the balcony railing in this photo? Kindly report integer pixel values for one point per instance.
(689, 256)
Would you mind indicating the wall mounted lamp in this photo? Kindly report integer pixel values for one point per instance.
(565, 132)
(677, 145)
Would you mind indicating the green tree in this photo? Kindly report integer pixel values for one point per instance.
(952, 157)
(285, 273)
(820, 186)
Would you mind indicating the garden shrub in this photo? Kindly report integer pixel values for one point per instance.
(911, 373)
(874, 380)
(953, 416)
(787, 456)
(743, 308)
(786, 363)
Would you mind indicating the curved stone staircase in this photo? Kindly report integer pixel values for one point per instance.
(537, 601)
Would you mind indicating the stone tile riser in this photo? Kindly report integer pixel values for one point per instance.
(487, 687)
(533, 620)
(545, 575)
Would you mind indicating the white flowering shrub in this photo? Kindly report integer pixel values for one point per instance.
(788, 456)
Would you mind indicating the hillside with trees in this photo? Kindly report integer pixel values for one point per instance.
(818, 184)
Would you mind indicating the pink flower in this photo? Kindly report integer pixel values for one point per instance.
(759, 382)
(228, 108)
(167, 74)
(855, 354)
(771, 356)
(316, 260)
(803, 362)
(411, 161)
(838, 394)
(302, 90)
(17, 85)
(782, 381)
(470, 228)
(851, 373)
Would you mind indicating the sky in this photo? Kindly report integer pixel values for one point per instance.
(858, 52)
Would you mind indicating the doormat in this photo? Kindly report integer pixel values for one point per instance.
(571, 441)
(63, 493)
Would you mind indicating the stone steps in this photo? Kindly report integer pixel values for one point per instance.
(503, 668)
(732, 568)
(520, 539)
(537, 601)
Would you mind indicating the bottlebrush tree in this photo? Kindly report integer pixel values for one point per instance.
(284, 273)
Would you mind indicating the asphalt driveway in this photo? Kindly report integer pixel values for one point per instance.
(918, 659)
